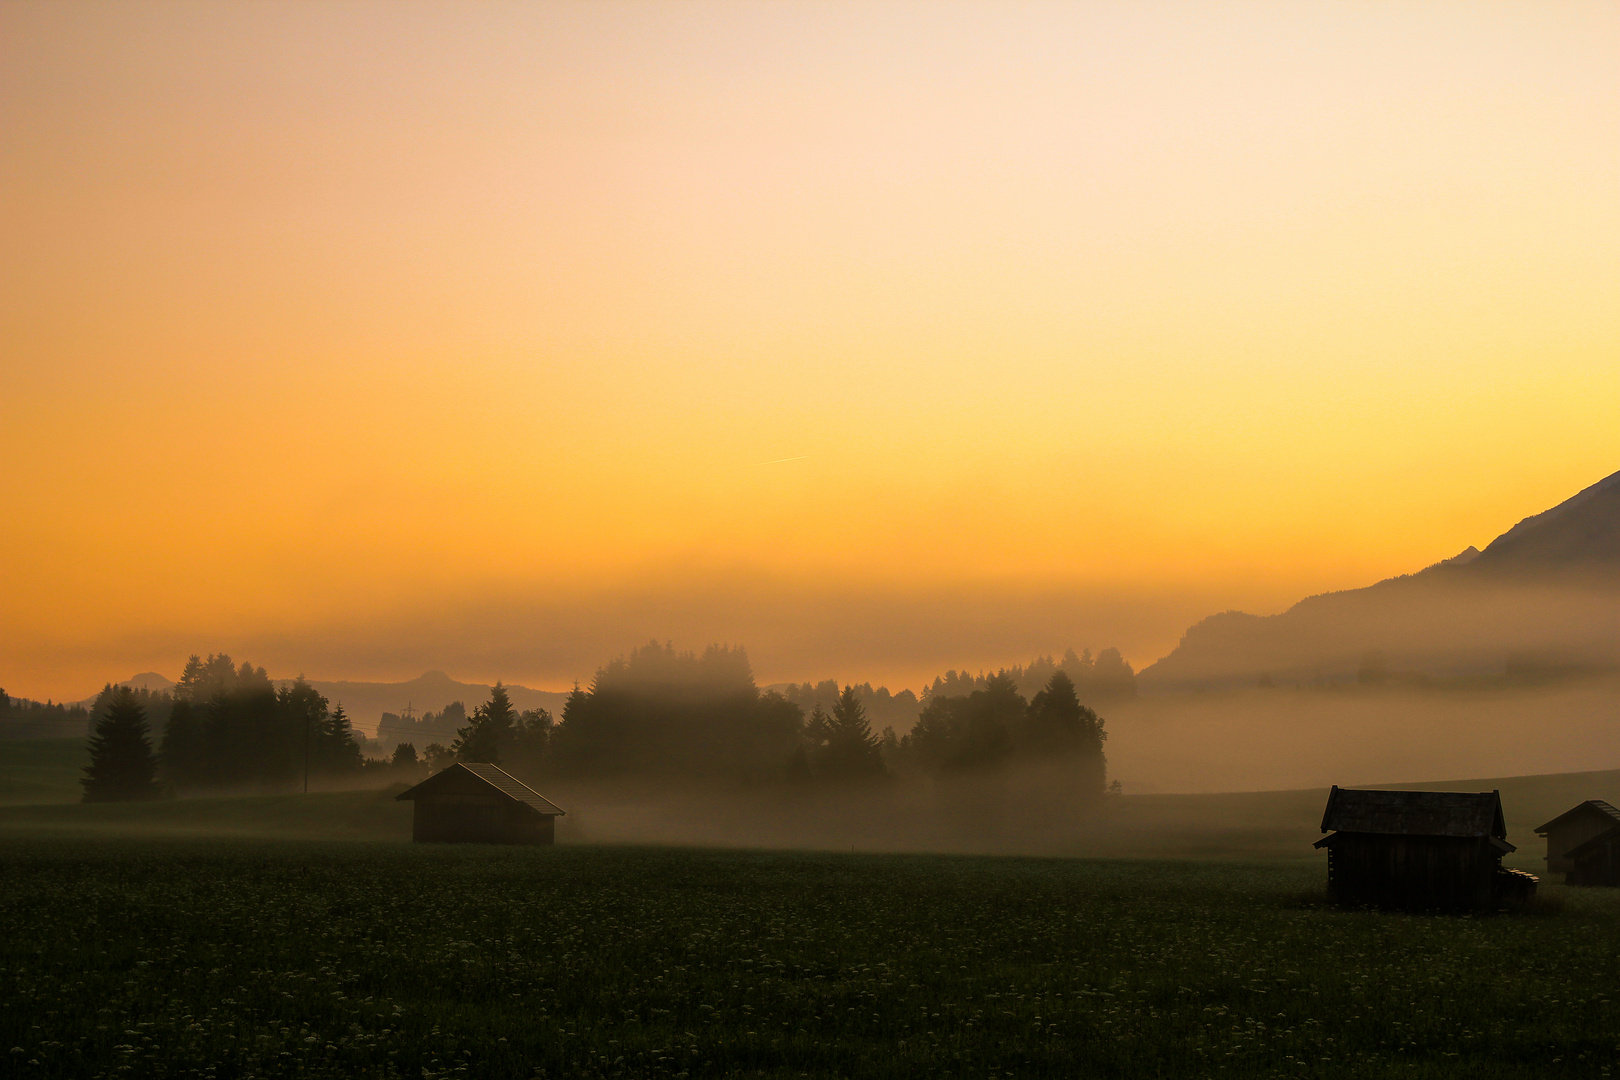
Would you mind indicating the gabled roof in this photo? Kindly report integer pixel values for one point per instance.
(1590, 806)
(465, 776)
(1415, 813)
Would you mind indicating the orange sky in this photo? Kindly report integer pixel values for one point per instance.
(358, 339)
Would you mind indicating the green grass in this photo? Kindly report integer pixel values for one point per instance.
(236, 958)
(348, 815)
(41, 770)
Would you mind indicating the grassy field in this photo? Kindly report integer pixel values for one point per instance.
(41, 770)
(1254, 825)
(237, 958)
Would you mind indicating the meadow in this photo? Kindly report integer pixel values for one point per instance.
(273, 958)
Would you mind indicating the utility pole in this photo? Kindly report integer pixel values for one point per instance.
(307, 721)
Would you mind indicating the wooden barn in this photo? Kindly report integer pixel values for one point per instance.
(1596, 862)
(1574, 829)
(1419, 849)
(482, 804)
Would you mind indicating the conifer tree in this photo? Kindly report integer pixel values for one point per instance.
(490, 733)
(851, 750)
(122, 767)
(338, 753)
(405, 759)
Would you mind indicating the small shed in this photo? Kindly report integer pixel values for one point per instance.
(1596, 862)
(481, 804)
(1572, 829)
(1419, 849)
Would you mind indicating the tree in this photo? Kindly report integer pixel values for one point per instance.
(1058, 727)
(335, 751)
(491, 732)
(122, 766)
(405, 760)
(684, 716)
(531, 740)
(850, 751)
(437, 757)
(971, 732)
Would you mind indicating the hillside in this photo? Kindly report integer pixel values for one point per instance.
(1543, 598)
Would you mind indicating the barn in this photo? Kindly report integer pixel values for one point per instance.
(1419, 849)
(484, 804)
(1596, 862)
(1576, 828)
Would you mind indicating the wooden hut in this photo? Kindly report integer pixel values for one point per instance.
(1596, 862)
(1419, 849)
(1574, 828)
(482, 804)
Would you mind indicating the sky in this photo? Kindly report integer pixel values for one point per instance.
(359, 339)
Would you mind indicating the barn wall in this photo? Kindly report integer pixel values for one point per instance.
(1411, 871)
(1568, 835)
(1599, 865)
(480, 819)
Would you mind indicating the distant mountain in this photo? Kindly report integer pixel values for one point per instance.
(1545, 594)
(365, 702)
(148, 680)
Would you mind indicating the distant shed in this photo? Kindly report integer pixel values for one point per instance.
(1596, 862)
(1419, 849)
(473, 803)
(1573, 829)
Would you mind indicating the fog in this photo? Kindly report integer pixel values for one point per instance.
(1254, 740)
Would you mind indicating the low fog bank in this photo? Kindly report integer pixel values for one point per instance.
(1030, 810)
(1278, 739)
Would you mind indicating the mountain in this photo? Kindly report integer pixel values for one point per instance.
(365, 702)
(1543, 595)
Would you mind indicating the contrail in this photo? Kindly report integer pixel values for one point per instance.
(779, 460)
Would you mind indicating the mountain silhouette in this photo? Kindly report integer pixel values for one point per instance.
(1543, 595)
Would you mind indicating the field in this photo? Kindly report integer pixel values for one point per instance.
(1263, 825)
(41, 770)
(242, 957)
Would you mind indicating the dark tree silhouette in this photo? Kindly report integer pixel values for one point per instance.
(1057, 726)
(678, 715)
(492, 731)
(972, 732)
(405, 760)
(850, 750)
(531, 741)
(122, 767)
(183, 757)
(336, 752)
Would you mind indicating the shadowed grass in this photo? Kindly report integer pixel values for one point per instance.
(251, 958)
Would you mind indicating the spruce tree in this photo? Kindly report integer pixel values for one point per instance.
(491, 731)
(851, 750)
(122, 767)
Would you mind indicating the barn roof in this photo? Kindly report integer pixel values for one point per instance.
(1415, 813)
(1590, 806)
(464, 774)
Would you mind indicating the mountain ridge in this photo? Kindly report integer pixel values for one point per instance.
(1547, 592)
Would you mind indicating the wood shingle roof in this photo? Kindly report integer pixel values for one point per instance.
(465, 775)
(1415, 813)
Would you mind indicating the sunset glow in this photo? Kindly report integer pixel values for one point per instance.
(360, 339)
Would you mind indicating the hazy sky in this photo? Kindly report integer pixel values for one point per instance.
(881, 338)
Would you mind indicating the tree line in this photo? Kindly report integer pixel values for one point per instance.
(667, 715)
(223, 726)
(655, 714)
